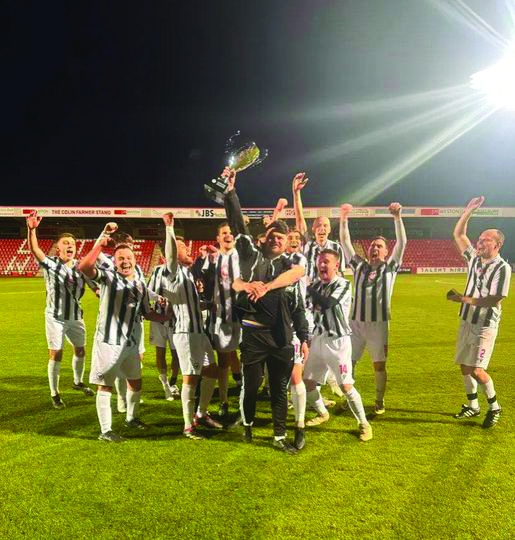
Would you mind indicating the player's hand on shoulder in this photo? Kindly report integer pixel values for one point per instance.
(395, 209)
(33, 220)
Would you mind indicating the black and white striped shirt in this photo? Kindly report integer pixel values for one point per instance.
(373, 288)
(64, 289)
(312, 251)
(226, 270)
(122, 302)
(331, 320)
(490, 279)
(156, 284)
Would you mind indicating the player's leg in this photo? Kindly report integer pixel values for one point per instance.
(158, 338)
(315, 375)
(176, 393)
(55, 339)
(234, 363)
(121, 394)
(75, 333)
(224, 359)
(130, 369)
(338, 353)
(103, 370)
(298, 396)
(280, 365)
(377, 343)
(252, 378)
(210, 373)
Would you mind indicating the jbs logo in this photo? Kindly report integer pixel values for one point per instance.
(206, 212)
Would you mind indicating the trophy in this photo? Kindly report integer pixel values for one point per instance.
(239, 155)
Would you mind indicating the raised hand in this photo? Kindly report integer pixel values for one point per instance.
(213, 252)
(203, 251)
(230, 175)
(475, 203)
(345, 210)
(110, 228)
(168, 219)
(299, 181)
(33, 220)
(281, 204)
(395, 209)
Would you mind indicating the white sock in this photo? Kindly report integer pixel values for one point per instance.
(489, 391)
(53, 376)
(78, 368)
(471, 390)
(163, 378)
(356, 406)
(315, 398)
(223, 384)
(381, 378)
(132, 404)
(121, 388)
(298, 397)
(188, 403)
(103, 402)
(207, 387)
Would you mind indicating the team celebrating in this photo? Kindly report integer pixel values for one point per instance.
(280, 299)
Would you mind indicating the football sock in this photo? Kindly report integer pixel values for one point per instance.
(223, 383)
(489, 391)
(315, 399)
(188, 403)
(121, 388)
(53, 376)
(173, 380)
(132, 404)
(381, 378)
(78, 369)
(356, 406)
(471, 390)
(298, 397)
(163, 379)
(103, 402)
(207, 387)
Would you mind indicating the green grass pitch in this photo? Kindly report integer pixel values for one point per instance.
(424, 475)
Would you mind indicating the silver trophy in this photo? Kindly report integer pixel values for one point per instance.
(239, 156)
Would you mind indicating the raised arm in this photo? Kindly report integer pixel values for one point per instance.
(460, 230)
(33, 221)
(299, 181)
(232, 205)
(345, 240)
(170, 245)
(88, 263)
(400, 232)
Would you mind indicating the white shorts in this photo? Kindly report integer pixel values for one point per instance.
(111, 361)
(226, 337)
(141, 345)
(329, 354)
(194, 352)
(475, 345)
(159, 335)
(297, 353)
(373, 336)
(56, 331)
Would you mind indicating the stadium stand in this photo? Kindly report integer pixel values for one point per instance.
(16, 259)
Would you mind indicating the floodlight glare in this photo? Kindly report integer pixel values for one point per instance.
(498, 82)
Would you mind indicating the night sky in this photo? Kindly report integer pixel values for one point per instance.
(130, 103)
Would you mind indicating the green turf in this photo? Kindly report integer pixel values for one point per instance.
(424, 475)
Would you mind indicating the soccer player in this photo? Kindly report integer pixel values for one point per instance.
(331, 344)
(266, 313)
(374, 279)
(160, 337)
(123, 298)
(223, 324)
(63, 312)
(196, 356)
(488, 283)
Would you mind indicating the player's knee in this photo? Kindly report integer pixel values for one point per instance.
(80, 352)
(347, 388)
(310, 385)
(56, 355)
(101, 388)
(379, 366)
(134, 384)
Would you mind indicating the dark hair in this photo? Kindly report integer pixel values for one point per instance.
(66, 235)
(379, 237)
(328, 251)
(279, 226)
(223, 224)
(122, 246)
(295, 230)
(122, 238)
(180, 239)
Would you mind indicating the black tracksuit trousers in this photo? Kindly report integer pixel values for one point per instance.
(258, 348)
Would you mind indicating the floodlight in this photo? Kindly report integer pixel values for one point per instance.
(498, 82)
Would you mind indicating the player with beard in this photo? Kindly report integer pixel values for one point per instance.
(488, 283)
(374, 280)
(123, 299)
(196, 356)
(267, 311)
(63, 312)
(221, 268)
